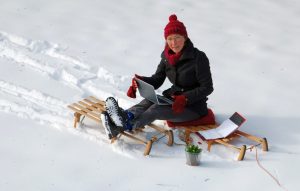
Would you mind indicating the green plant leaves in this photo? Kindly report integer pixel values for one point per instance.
(193, 149)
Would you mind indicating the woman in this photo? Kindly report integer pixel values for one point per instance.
(187, 69)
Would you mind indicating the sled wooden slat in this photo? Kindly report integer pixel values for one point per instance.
(83, 113)
(88, 106)
(133, 137)
(92, 107)
(97, 100)
(96, 105)
(79, 112)
(90, 112)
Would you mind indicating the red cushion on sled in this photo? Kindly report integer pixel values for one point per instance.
(208, 119)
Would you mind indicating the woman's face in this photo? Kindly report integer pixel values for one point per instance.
(175, 42)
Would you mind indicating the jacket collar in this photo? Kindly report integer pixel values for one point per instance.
(188, 50)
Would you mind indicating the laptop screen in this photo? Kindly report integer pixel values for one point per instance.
(147, 90)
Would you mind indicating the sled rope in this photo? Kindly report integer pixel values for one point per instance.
(264, 169)
(160, 137)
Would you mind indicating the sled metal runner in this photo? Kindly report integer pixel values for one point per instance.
(92, 107)
(224, 141)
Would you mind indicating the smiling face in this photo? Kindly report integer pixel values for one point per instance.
(175, 42)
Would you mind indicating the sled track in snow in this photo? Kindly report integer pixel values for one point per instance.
(33, 96)
(44, 57)
(49, 60)
(43, 109)
(32, 104)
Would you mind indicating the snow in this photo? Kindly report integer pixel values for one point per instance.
(53, 53)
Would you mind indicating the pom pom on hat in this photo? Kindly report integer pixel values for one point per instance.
(173, 18)
(175, 27)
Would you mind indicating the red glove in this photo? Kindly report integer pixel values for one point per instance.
(179, 103)
(132, 89)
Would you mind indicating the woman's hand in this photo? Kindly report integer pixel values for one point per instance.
(179, 103)
(132, 89)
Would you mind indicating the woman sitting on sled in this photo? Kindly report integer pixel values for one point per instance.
(187, 69)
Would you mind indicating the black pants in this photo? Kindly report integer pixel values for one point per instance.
(146, 112)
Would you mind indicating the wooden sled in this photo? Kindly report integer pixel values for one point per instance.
(208, 122)
(225, 141)
(92, 107)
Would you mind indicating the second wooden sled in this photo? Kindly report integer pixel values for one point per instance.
(225, 141)
(208, 122)
(92, 107)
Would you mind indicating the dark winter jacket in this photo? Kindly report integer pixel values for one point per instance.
(190, 76)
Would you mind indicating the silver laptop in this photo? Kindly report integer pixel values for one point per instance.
(147, 91)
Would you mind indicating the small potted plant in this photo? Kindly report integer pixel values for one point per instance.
(192, 153)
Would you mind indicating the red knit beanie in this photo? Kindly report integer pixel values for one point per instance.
(175, 27)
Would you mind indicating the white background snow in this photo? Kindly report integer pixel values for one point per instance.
(53, 53)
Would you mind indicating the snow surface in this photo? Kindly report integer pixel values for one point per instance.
(53, 53)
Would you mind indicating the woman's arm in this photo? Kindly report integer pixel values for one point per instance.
(204, 79)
